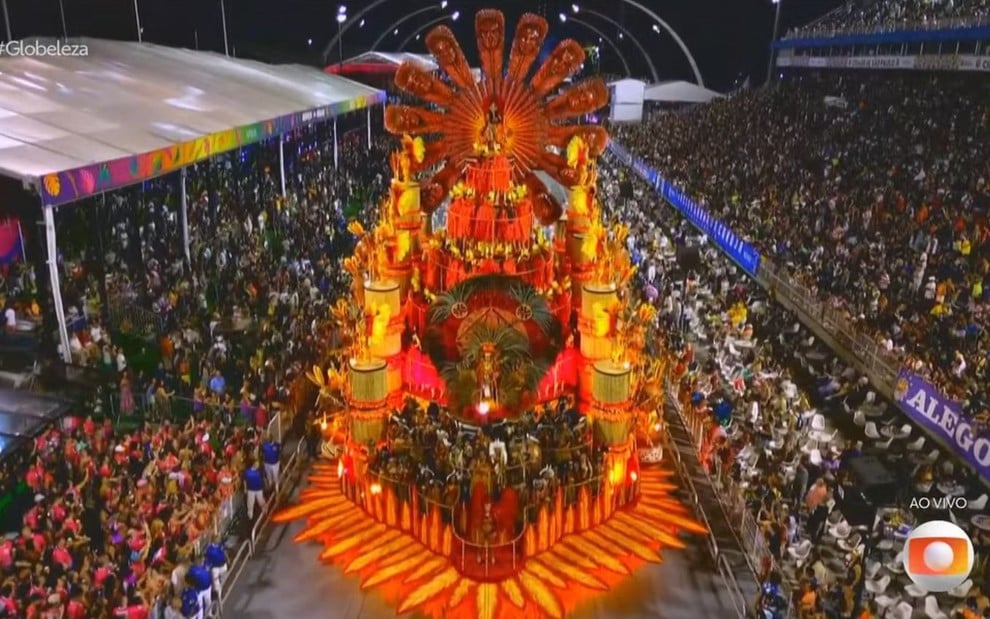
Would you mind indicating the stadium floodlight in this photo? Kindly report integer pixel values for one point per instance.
(623, 31)
(342, 9)
(575, 8)
(656, 28)
(443, 4)
(341, 18)
(563, 18)
(455, 15)
(395, 32)
(361, 25)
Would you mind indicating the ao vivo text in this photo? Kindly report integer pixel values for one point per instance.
(940, 502)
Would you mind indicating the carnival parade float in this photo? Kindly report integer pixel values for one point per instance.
(492, 423)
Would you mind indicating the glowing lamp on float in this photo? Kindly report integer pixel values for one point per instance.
(375, 488)
(484, 407)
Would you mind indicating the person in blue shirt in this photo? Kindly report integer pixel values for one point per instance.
(217, 383)
(199, 579)
(190, 604)
(254, 485)
(271, 455)
(216, 560)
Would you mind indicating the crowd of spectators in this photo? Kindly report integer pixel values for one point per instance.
(765, 389)
(875, 198)
(120, 522)
(239, 321)
(893, 15)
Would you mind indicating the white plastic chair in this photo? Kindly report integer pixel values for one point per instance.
(903, 610)
(915, 591)
(885, 601)
(932, 609)
(884, 445)
(818, 422)
(871, 430)
(859, 418)
(876, 587)
(916, 445)
(977, 505)
(962, 591)
(904, 432)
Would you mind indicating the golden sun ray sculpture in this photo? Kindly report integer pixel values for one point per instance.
(529, 119)
(413, 569)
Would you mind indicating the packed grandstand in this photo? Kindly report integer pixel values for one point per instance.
(194, 364)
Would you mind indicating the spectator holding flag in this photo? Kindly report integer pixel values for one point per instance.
(271, 454)
(254, 485)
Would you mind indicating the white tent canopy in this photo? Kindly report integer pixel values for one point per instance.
(679, 92)
(124, 99)
(393, 58)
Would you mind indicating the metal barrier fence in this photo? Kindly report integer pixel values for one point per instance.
(157, 408)
(880, 365)
(732, 588)
(731, 499)
(227, 512)
(127, 317)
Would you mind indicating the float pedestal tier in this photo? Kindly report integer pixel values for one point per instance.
(368, 399)
(378, 296)
(595, 322)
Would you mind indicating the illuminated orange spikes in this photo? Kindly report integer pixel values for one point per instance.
(601, 553)
(555, 521)
(340, 521)
(540, 570)
(413, 550)
(542, 530)
(386, 545)
(658, 489)
(584, 501)
(569, 520)
(435, 523)
(386, 574)
(624, 540)
(650, 531)
(539, 593)
(333, 511)
(327, 480)
(566, 553)
(432, 566)
(318, 493)
(461, 592)
(352, 541)
(569, 571)
(429, 590)
(667, 504)
(303, 509)
(685, 523)
(487, 600)
(390, 508)
(447, 541)
(405, 520)
(529, 541)
(512, 591)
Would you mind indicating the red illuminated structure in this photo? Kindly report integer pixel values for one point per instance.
(479, 291)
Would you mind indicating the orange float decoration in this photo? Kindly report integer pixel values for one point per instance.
(477, 315)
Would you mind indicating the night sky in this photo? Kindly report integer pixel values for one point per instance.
(728, 38)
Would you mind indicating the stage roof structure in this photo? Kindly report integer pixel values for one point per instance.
(679, 92)
(123, 112)
(24, 415)
(380, 62)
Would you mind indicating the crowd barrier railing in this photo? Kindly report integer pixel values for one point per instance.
(880, 365)
(128, 317)
(731, 498)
